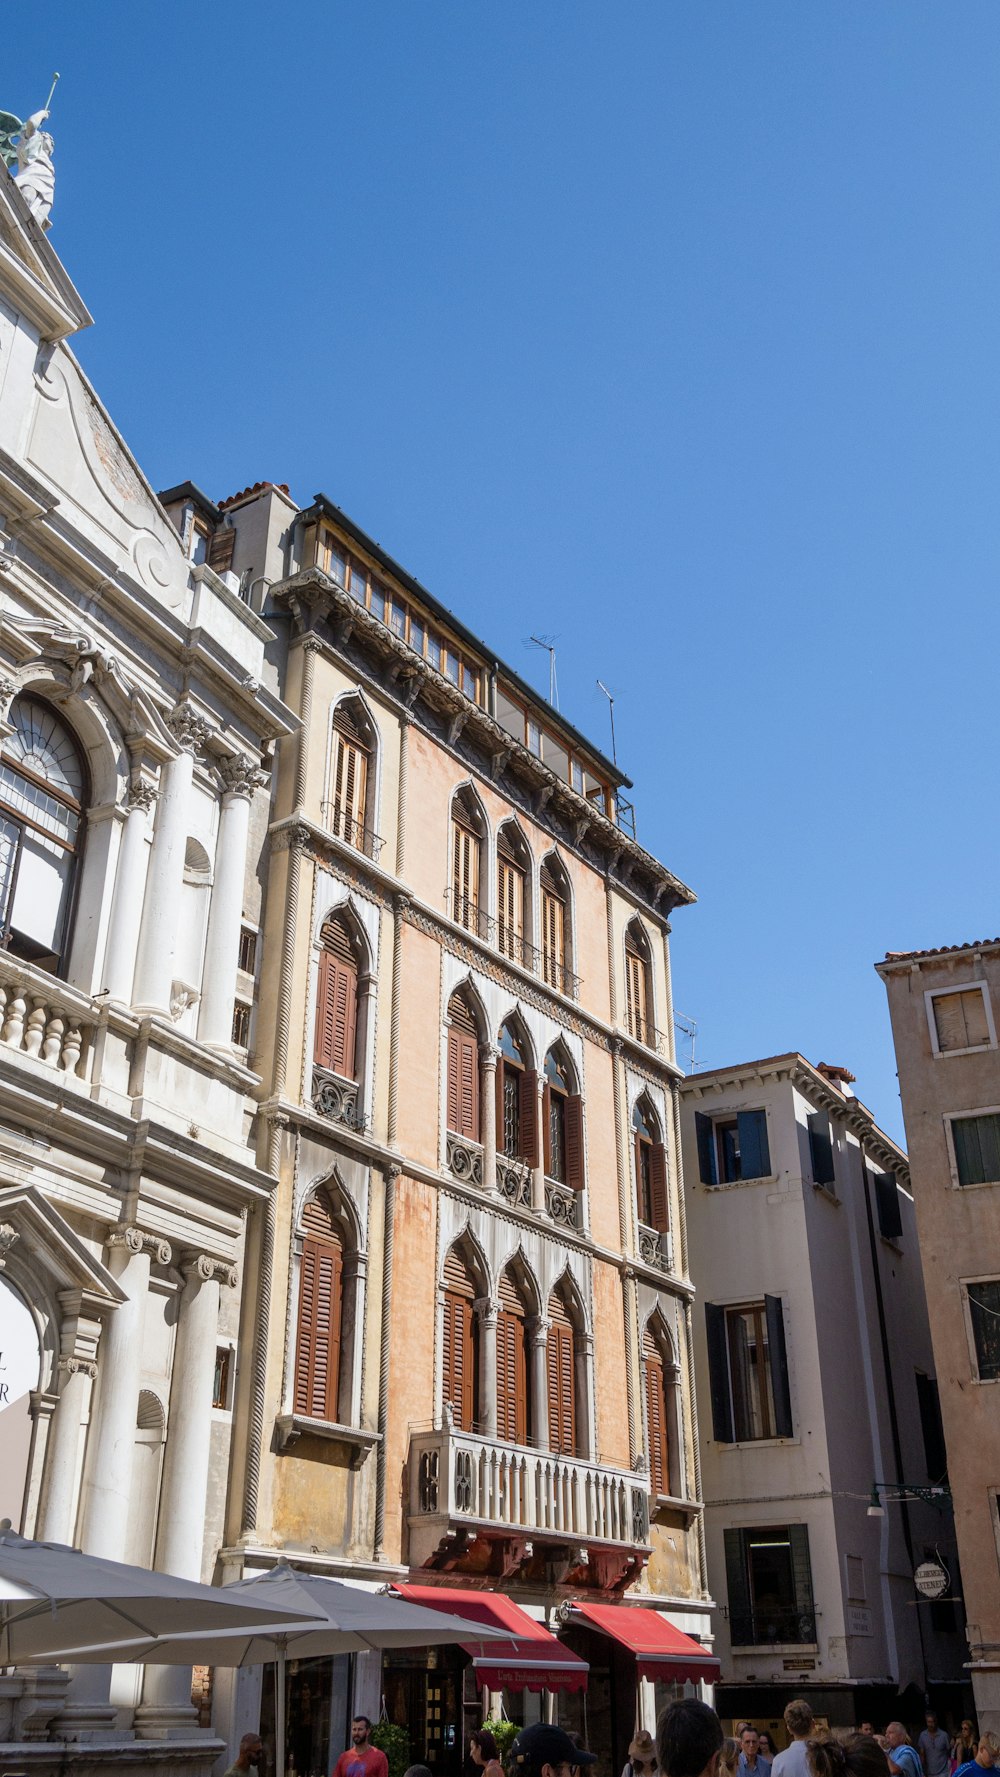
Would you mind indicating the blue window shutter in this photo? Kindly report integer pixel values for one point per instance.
(706, 1146)
(821, 1149)
(777, 1357)
(755, 1158)
(741, 1630)
(890, 1221)
(718, 1374)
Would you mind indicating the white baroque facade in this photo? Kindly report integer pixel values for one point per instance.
(135, 737)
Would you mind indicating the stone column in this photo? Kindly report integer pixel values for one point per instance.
(166, 1709)
(126, 908)
(538, 1337)
(218, 993)
(87, 1713)
(538, 1172)
(583, 1368)
(57, 1518)
(488, 1058)
(489, 1313)
(154, 968)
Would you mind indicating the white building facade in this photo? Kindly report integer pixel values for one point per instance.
(817, 1380)
(135, 739)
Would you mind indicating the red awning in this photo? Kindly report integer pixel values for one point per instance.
(533, 1659)
(660, 1650)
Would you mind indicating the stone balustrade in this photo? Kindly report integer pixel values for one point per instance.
(656, 1248)
(40, 1016)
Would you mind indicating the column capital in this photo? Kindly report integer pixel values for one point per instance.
(208, 1269)
(489, 1055)
(487, 1309)
(539, 1327)
(8, 1237)
(78, 1366)
(293, 836)
(400, 902)
(136, 1240)
(189, 729)
(141, 794)
(240, 776)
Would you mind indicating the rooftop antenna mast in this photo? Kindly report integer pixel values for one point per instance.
(601, 686)
(548, 643)
(688, 1029)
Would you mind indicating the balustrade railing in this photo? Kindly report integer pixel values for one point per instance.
(352, 832)
(337, 1098)
(514, 1181)
(463, 1476)
(42, 1018)
(562, 1204)
(464, 1159)
(656, 1248)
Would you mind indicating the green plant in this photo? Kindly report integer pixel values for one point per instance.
(394, 1741)
(504, 1733)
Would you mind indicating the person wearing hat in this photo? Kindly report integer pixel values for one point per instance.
(543, 1750)
(641, 1756)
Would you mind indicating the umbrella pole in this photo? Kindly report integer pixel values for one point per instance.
(279, 1709)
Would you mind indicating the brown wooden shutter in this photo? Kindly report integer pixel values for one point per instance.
(460, 1382)
(510, 908)
(318, 1339)
(350, 782)
(463, 1071)
(659, 1202)
(553, 928)
(465, 866)
(656, 1424)
(573, 1125)
(547, 1127)
(221, 549)
(336, 1005)
(561, 1375)
(512, 1366)
(529, 1118)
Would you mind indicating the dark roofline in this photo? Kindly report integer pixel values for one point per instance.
(187, 490)
(327, 508)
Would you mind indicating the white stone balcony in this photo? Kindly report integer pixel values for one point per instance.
(44, 1018)
(463, 1482)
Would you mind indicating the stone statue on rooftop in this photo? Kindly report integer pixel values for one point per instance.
(36, 176)
(9, 128)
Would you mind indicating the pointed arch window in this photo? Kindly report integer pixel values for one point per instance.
(556, 946)
(638, 986)
(517, 1099)
(321, 1290)
(460, 1368)
(660, 1385)
(467, 849)
(43, 790)
(513, 1364)
(513, 911)
(562, 1124)
(650, 1169)
(561, 1366)
(351, 778)
(463, 1069)
(337, 1000)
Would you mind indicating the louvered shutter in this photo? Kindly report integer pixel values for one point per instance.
(706, 1148)
(659, 1201)
(547, 1128)
(512, 1367)
(960, 1019)
(718, 1374)
(529, 1118)
(463, 1084)
(336, 1013)
(561, 1378)
(460, 1344)
(573, 1125)
(821, 1149)
(777, 1358)
(510, 898)
(465, 873)
(318, 1338)
(350, 783)
(636, 1016)
(553, 931)
(656, 1419)
(755, 1158)
(741, 1624)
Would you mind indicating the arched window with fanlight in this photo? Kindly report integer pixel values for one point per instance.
(517, 1097)
(43, 795)
(639, 985)
(319, 1336)
(650, 1169)
(562, 1122)
(660, 1389)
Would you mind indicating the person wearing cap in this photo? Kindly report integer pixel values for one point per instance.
(543, 1750)
(641, 1756)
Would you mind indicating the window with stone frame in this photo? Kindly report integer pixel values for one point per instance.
(335, 1043)
(650, 1157)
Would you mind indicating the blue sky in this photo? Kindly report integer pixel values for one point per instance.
(665, 329)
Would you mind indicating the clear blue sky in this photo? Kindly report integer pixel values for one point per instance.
(668, 329)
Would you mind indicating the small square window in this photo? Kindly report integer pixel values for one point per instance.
(241, 1025)
(248, 950)
(976, 1141)
(960, 1020)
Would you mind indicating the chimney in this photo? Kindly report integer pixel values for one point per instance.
(841, 1077)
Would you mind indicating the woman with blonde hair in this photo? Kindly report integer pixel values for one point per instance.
(860, 1755)
(729, 1757)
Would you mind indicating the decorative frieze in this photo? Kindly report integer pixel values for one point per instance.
(336, 1098)
(464, 1160)
(562, 1204)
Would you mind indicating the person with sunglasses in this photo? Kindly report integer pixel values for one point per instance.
(641, 1760)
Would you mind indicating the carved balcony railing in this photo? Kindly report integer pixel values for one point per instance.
(514, 1181)
(470, 1480)
(337, 1098)
(465, 1160)
(562, 1205)
(352, 832)
(656, 1248)
(43, 1018)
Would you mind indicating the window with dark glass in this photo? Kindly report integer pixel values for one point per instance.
(748, 1371)
(42, 797)
(650, 1169)
(562, 1124)
(984, 1312)
(732, 1148)
(517, 1100)
(769, 1581)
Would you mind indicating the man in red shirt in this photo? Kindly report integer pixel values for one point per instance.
(364, 1759)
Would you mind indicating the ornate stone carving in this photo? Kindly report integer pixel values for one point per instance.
(136, 1240)
(8, 689)
(562, 1204)
(653, 1248)
(240, 776)
(182, 995)
(465, 1160)
(8, 1237)
(188, 729)
(141, 794)
(293, 836)
(210, 1269)
(514, 1182)
(336, 1098)
(78, 1366)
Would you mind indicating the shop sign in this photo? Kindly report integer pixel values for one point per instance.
(859, 1620)
(931, 1579)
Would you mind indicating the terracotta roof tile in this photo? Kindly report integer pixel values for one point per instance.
(904, 956)
(258, 488)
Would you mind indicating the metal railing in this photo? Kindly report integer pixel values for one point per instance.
(656, 1248)
(352, 832)
(513, 945)
(463, 1475)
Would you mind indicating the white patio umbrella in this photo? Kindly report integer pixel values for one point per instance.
(55, 1600)
(344, 1619)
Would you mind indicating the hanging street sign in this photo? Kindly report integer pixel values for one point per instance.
(931, 1579)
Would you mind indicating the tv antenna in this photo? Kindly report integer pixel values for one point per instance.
(601, 686)
(687, 1029)
(548, 643)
